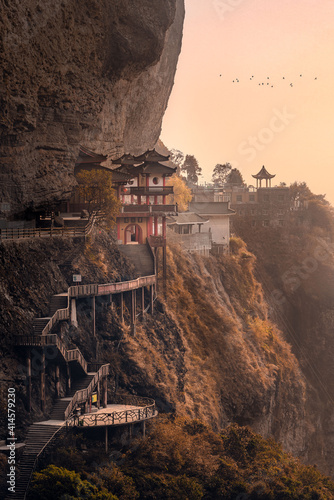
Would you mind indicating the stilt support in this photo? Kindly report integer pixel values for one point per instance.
(29, 381)
(43, 381)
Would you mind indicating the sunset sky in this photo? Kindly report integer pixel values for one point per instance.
(289, 129)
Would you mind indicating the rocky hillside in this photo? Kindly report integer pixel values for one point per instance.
(98, 74)
(209, 351)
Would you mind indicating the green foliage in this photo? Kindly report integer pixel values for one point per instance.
(220, 173)
(55, 483)
(192, 169)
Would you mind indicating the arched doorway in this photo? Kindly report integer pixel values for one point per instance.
(133, 234)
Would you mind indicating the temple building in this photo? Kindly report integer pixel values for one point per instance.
(144, 198)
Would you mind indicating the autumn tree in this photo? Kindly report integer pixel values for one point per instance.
(191, 168)
(220, 173)
(95, 186)
(182, 193)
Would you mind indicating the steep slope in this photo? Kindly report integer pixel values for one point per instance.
(99, 75)
(296, 268)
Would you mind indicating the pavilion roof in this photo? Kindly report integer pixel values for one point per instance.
(125, 159)
(151, 156)
(88, 156)
(148, 168)
(263, 174)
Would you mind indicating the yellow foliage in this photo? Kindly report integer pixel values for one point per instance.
(182, 194)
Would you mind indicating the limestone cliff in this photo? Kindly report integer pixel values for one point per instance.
(94, 72)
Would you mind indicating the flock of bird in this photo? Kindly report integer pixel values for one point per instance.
(268, 83)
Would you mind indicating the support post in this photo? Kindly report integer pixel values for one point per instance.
(144, 428)
(93, 314)
(98, 394)
(74, 319)
(143, 303)
(133, 311)
(106, 439)
(122, 308)
(157, 267)
(104, 392)
(152, 299)
(57, 382)
(43, 381)
(29, 382)
(68, 379)
(164, 269)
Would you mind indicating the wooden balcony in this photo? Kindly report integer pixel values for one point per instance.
(150, 191)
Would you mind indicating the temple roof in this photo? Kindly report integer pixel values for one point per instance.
(211, 208)
(88, 156)
(151, 156)
(148, 168)
(125, 159)
(184, 218)
(263, 174)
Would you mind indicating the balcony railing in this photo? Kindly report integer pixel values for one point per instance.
(150, 209)
(150, 190)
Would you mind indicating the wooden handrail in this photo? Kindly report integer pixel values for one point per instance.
(147, 409)
(83, 394)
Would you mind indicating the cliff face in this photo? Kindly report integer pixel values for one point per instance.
(96, 72)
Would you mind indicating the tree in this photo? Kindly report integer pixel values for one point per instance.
(182, 194)
(220, 173)
(95, 186)
(54, 482)
(192, 169)
(177, 158)
(235, 178)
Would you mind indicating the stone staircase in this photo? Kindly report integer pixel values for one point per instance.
(39, 434)
(141, 257)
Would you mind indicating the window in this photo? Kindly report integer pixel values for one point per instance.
(252, 197)
(253, 212)
(253, 223)
(265, 223)
(264, 212)
(281, 222)
(155, 180)
(239, 198)
(281, 197)
(140, 219)
(126, 220)
(280, 211)
(266, 197)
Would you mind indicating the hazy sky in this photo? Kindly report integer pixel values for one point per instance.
(289, 129)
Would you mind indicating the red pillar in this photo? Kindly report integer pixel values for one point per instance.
(155, 226)
(147, 185)
(164, 227)
(164, 196)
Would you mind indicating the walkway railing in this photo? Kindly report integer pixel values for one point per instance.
(146, 410)
(66, 231)
(82, 395)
